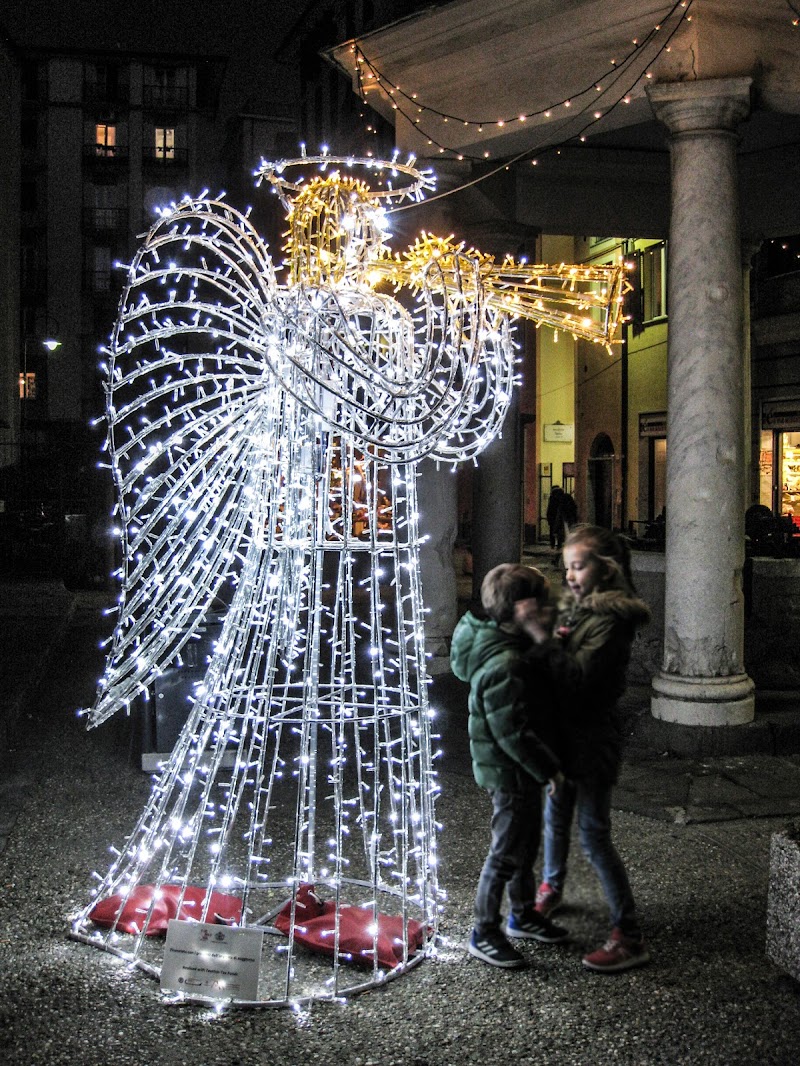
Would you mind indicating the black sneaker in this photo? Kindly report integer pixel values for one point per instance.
(496, 950)
(534, 926)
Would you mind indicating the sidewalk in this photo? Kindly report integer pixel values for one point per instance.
(695, 836)
(36, 618)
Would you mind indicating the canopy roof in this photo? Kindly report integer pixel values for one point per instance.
(518, 78)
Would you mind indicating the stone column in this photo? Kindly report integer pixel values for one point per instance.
(438, 521)
(703, 681)
(497, 502)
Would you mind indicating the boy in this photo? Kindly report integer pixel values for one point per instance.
(510, 702)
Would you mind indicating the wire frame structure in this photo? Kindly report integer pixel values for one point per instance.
(264, 438)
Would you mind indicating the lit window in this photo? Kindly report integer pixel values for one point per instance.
(105, 139)
(165, 143)
(27, 386)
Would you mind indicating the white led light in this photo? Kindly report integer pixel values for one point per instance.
(264, 439)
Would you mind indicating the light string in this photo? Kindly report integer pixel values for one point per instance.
(264, 438)
(413, 105)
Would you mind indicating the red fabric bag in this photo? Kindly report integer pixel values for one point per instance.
(362, 934)
(129, 912)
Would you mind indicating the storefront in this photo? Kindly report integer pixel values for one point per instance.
(779, 466)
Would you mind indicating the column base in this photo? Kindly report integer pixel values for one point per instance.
(703, 701)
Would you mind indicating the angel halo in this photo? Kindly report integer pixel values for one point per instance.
(264, 440)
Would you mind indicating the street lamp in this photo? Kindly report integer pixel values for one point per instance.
(25, 392)
(25, 385)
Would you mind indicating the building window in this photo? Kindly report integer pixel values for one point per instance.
(27, 385)
(29, 198)
(166, 87)
(164, 143)
(104, 207)
(32, 270)
(653, 282)
(29, 133)
(105, 83)
(101, 268)
(31, 78)
(105, 140)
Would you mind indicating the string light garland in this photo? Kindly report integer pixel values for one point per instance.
(264, 438)
(586, 100)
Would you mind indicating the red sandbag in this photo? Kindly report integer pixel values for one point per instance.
(128, 913)
(363, 935)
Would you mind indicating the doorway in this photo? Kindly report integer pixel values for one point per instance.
(601, 481)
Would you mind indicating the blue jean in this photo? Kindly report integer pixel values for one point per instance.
(516, 831)
(593, 802)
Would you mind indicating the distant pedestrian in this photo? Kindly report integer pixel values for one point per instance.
(511, 713)
(561, 515)
(555, 519)
(595, 627)
(569, 512)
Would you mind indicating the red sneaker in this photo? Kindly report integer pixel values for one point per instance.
(619, 952)
(547, 899)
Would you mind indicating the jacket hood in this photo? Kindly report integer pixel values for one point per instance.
(619, 600)
(476, 640)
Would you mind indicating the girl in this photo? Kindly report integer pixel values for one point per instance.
(590, 649)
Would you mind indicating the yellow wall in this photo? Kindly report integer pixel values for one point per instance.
(581, 384)
(555, 378)
(647, 393)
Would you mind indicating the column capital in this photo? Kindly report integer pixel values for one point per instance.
(703, 105)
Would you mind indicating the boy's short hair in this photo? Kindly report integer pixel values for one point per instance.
(507, 583)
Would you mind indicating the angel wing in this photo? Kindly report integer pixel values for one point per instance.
(185, 400)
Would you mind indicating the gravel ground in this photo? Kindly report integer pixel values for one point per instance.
(710, 996)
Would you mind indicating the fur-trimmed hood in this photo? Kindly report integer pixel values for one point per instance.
(621, 602)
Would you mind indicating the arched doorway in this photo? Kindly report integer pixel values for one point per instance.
(601, 481)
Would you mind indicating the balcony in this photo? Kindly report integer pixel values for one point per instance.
(158, 157)
(105, 219)
(98, 282)
(99, 93)
(105, 155)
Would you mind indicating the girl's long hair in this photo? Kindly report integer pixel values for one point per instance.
(609, 549)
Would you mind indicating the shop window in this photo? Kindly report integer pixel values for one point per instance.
(359, 491)
(790, 476)
(658, 476)
(766, 479)
(164, 143)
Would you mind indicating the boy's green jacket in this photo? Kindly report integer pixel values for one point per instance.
(510, 706)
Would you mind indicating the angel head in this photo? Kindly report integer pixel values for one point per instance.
(338, 222)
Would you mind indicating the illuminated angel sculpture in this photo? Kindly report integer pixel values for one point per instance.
(264, 438)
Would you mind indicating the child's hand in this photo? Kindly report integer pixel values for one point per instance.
(555, 782)
(535, 618)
